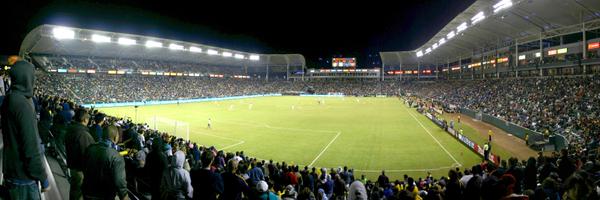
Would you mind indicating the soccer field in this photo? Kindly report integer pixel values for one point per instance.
(367, 134)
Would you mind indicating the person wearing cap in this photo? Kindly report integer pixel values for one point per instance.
(96, 129)
(264, 193)
(77, 139)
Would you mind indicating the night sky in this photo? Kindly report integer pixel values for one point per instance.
(313, 28)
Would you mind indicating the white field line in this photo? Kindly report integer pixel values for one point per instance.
(337, 134)
(436, 140)
(408, 170)
(239, 142)
(233, 145)
(258, 124)
(325, 149)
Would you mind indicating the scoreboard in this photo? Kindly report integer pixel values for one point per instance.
(344, 62)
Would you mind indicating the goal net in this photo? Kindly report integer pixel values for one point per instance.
(172, 127)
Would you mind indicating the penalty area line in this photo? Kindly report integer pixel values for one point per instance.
(325, 149)
(233, 145)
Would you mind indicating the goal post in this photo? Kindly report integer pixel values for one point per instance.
(172, 127)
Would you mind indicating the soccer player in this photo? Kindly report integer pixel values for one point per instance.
(459, 119)
(490, 134)
(209, 123)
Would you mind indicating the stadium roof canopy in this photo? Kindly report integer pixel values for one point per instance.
(58, 40)
(490, 24)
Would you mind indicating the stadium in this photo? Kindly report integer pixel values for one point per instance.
(502, 102)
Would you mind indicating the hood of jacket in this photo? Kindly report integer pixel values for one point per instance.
(21, 77)
(178, 159)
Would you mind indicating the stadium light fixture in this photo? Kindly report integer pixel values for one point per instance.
(254, 57)
(503, 4)
(419, 53)
(226, 54)
(461, 27)
(442, 41)
(478, 17)
(63, 33)
(176, 47)
(212, 52)
(427, 50)
(195, 49)
(434, 46)
(126, 41)
(239, 56)
(450, 35)
(100, 38)
(151, 44)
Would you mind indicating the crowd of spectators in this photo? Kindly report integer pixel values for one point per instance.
(162, 166)
(135, 65)
(567, 106)
(172, 168)
(560, 105)
(96, 88)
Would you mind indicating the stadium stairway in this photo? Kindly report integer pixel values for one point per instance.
(59, 183)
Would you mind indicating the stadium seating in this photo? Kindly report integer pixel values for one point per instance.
(559, 105)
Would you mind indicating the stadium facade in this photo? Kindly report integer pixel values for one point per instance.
(58, 41)
(492, 39)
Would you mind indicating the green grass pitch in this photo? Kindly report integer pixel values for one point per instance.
(368, 134)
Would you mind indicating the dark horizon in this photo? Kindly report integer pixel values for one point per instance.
(317, 30)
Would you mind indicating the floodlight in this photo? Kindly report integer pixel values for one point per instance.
(450, 35)
(100, 38)
(195, 49)
(522, 57)
(503, 4)
(126, 41)
(442, 41)
(226, 54)
(63, 33)
(239, 56)
(427, 50)
(175, 47)
(212, 52)
(434, 46)
(538, 54)
(478, 17)
(151, 44)
(254, 57)
(461, 27)
(419, 53)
